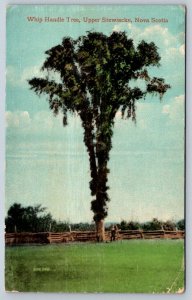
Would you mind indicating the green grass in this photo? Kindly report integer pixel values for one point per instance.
(147, 266)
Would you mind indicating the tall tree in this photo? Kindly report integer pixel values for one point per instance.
(95, 73)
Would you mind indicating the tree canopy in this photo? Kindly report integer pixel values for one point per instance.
(95, 74)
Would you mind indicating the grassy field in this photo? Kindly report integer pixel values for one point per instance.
(147, 266)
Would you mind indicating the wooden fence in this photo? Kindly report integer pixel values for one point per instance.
(86, 236)
(26, 238)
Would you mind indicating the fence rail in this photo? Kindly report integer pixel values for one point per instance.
(86, 236)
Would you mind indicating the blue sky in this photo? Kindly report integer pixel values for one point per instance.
(48, 164)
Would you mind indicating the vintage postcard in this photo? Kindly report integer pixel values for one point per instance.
(95, 148)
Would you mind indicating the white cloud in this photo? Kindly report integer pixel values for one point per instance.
(182, 49)
(158, 34)
(175, 111)
(17, 119)
(174, 54)
(166, 109)
(12, 119)
(42, 120)
(145, 112)
(118, 115)
(117, 28)
(19, 77)
(31, 72)
(180, 99)
(12, 76)
(171, 46)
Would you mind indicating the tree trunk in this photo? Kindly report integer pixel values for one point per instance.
(100, 230)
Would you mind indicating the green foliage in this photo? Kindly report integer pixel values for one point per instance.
(95, 71)
(155, 224)
(181, 224)
(34, 219)
(83, 227)
(27, 219)
(131, 225)
(169, 225)
(123, 225)
(59, 226)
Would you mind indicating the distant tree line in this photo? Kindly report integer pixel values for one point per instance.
(36, 219)
(154, 224)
